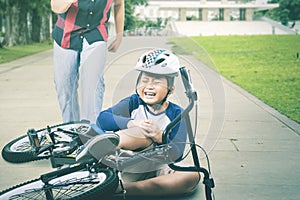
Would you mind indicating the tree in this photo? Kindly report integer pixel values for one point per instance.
(40, 17)
(288, 10)
(25, 21)
(131, 21)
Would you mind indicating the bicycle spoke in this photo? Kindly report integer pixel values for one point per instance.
(73, 187)
(34, 194)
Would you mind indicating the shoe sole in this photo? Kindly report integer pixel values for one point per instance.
(99, 147)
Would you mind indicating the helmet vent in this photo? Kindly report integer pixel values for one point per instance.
(144, 59)
(159, 61)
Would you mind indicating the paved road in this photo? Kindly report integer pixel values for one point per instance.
(253, 150)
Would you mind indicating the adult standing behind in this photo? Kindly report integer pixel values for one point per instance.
(80, 39)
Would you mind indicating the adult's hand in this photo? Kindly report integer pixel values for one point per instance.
(61, 6)
(113, 47)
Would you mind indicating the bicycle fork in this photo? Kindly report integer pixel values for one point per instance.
(46, 178)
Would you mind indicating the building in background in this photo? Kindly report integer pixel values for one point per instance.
(202, 10)
(206, 18)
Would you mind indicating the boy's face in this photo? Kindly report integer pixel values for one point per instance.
(152, 89)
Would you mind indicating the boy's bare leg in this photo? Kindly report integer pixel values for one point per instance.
(133, 138)
(169, 184)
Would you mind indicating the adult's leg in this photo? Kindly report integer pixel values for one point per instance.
(65, 68)
(177, 183)
(93, 59)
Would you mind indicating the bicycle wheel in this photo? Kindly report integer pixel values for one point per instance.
(79, 185)
(19, 150)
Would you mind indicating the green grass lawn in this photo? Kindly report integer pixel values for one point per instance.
(12, 53)
(266, 66)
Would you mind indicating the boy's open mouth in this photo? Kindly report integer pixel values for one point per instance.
(151, 94)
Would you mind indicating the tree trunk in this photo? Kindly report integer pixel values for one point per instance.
(12, 25)
(36, 26)
(1, 22)
(45, 29)
(23, 26)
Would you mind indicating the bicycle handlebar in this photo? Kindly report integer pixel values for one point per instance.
(191, 94)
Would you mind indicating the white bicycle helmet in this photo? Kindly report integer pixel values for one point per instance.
(159, 61)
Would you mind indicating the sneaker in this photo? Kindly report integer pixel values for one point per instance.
(93, 130)
(98, 147)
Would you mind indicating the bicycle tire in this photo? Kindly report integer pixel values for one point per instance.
(77, 185)
(19, 150)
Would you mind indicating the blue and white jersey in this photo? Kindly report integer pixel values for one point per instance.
(143, 113)
(116, 118)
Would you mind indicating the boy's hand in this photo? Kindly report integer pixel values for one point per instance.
(152, 131)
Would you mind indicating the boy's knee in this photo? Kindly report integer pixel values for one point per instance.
(190, 181)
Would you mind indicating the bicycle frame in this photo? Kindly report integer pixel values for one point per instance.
(192, 96)
(58, 158)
